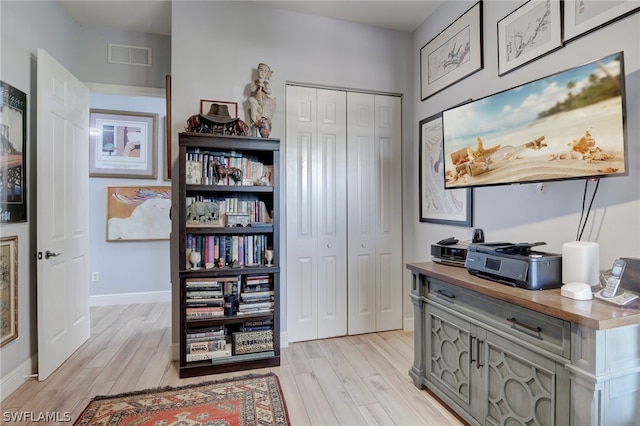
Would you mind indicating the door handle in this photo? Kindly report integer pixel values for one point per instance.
(48, 254)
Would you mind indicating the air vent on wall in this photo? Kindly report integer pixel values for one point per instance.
(130, 55)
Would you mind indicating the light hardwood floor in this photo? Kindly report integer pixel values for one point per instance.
(354, 380)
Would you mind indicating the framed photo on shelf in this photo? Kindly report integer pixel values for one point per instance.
(13, 166)
(582, 17)
(138, 213)
(437, 205)
(205, 106)
(453, 54)
(123, 144)
(532, 30)
(8, 289)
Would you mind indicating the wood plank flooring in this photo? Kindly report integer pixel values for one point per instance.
(353, 380)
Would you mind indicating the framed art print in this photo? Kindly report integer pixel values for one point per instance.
(532, 30)
(123, 144)
(453, 54)
(437, 205)
(138, 213)
(583, 16)
(8, 289)
(13, 172)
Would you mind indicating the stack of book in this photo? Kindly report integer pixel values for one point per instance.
(204, 298)
(207, 343)
(257, 295)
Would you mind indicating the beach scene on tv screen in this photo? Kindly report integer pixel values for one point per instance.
(567, 125)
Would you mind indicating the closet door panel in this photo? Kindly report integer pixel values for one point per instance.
(362, 200)
(388, 147)
(301, 217)
(330, 166)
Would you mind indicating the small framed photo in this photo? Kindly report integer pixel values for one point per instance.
(532, 30)
(123, 144)
(138, 213)
(232, 107)
(8, 289)
(581, 17)
(453, 54)
(437, 205)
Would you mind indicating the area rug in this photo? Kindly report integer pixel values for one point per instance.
(239, 401)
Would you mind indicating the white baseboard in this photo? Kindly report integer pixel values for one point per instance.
(409, 324)
(129, 298)
(17, 377)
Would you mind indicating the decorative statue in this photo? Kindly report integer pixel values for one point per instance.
(262, 106)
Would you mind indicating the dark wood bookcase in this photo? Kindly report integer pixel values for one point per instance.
(265, 231)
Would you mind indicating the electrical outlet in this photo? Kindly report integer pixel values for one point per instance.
(95, 276)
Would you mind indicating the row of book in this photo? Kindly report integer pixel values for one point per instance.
(246, 249)
(201, 169)
(256, 209)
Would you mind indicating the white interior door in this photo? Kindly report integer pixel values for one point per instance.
(316, 213)
(62, 214)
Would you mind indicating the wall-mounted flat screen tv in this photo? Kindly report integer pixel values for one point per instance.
(568, 125)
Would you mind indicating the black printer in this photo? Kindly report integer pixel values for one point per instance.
(515, 264)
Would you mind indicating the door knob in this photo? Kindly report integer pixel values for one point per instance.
(48, 254)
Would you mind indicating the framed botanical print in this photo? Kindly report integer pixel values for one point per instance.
(453, 54)
(532, 30)
(583, 16)
(437, 205)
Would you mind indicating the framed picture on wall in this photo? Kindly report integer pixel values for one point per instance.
(123, 144)
(581, 17)
(13, 171)
(453, 54)
(138, 213)
(532, 30)
(437, 205)
(8, 289)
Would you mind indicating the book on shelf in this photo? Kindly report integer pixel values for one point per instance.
(204, 303)
(205, 356)
(206, 346)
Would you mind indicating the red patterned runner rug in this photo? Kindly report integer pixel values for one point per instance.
(240, 401)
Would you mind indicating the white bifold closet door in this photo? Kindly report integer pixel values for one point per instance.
(344, 213)
(374, 205)
(316, 206)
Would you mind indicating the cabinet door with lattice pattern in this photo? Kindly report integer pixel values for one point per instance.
(523, 387)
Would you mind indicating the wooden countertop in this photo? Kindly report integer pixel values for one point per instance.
(595, 314)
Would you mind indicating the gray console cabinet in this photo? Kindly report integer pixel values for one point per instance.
(496, 356)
